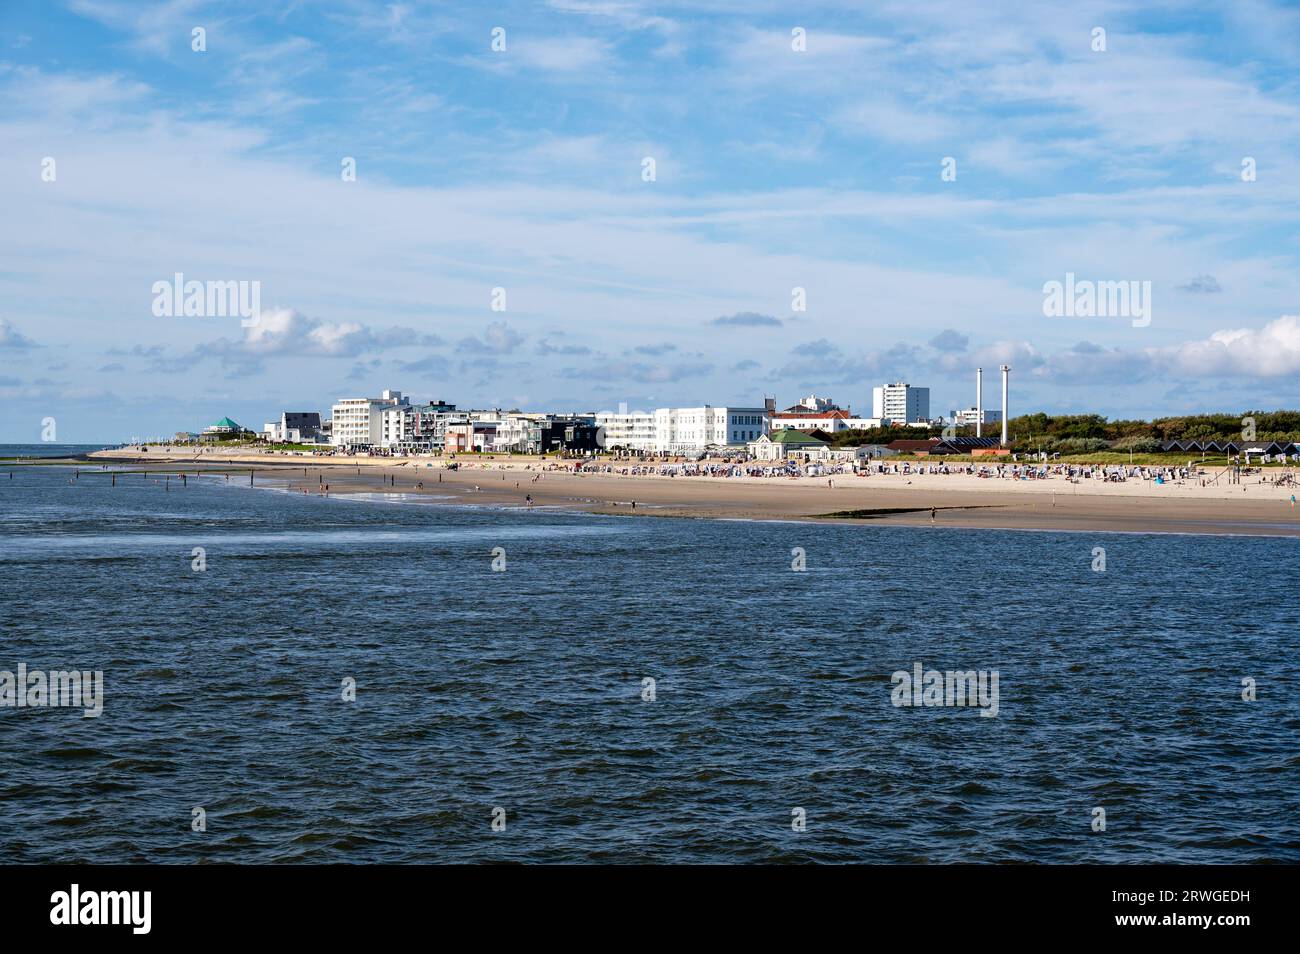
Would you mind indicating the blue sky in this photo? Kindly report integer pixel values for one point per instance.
(522, 169)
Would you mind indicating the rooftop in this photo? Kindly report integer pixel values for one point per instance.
(791, 435)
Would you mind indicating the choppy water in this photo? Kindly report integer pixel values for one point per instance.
(522, 689)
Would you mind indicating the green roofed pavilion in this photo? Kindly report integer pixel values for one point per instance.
(793, 437)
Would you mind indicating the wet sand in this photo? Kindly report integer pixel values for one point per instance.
(959, 500)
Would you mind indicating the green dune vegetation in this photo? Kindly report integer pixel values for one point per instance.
(1094, 438)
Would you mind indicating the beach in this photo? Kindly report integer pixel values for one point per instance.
(1255, 506)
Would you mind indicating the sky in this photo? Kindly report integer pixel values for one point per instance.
(918, 170)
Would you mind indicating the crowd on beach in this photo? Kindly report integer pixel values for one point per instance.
(746, 467)
(1072, 473)
(1000, 471)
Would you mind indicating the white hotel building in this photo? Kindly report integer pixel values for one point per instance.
(359, 422)
(683, 430)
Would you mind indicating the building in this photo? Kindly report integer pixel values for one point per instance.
(571, 436)
(536, 433)
(684, 430)
(476, 436)
(223, 430)
(969, 417)
(901, 403)
(358, 423)
(396, 426)
(294, 427)
(1256, 448)
(426, 427)
(627, 430)
(785, 444)
(519, 432)
(973, 446)
(872, 451)
(919, 448)
(814, 404)
(832, 422)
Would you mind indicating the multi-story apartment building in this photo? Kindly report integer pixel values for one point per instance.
(901, 403)
(358, 424)
(627, 430)
(536, 433)
(469, 436)
(968, 417)
(681, 430)
(416, 427)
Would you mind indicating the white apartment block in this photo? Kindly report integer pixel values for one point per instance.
(514, 431)
(901, 403)
(628, 430)
(682, 430)
(396, 425)
(968, 417)
(359, 422)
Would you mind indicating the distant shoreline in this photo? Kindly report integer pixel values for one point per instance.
(958, 500)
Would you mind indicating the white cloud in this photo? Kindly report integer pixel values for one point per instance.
(1271, 351)
(286, 331)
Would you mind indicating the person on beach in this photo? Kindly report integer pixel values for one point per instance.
(529, 499)
(933, 510)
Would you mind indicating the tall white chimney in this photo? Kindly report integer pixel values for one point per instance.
(1006, 378)
(979, 401)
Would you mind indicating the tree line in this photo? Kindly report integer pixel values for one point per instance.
(1072, 433)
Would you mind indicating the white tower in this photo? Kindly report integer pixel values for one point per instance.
(1006, 378)
(979, 401)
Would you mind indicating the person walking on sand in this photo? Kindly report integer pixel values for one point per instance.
(529, 498)
(933, 510)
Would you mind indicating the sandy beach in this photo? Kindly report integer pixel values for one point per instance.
(1255, 507)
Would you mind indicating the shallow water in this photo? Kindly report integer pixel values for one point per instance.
(522, 689)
